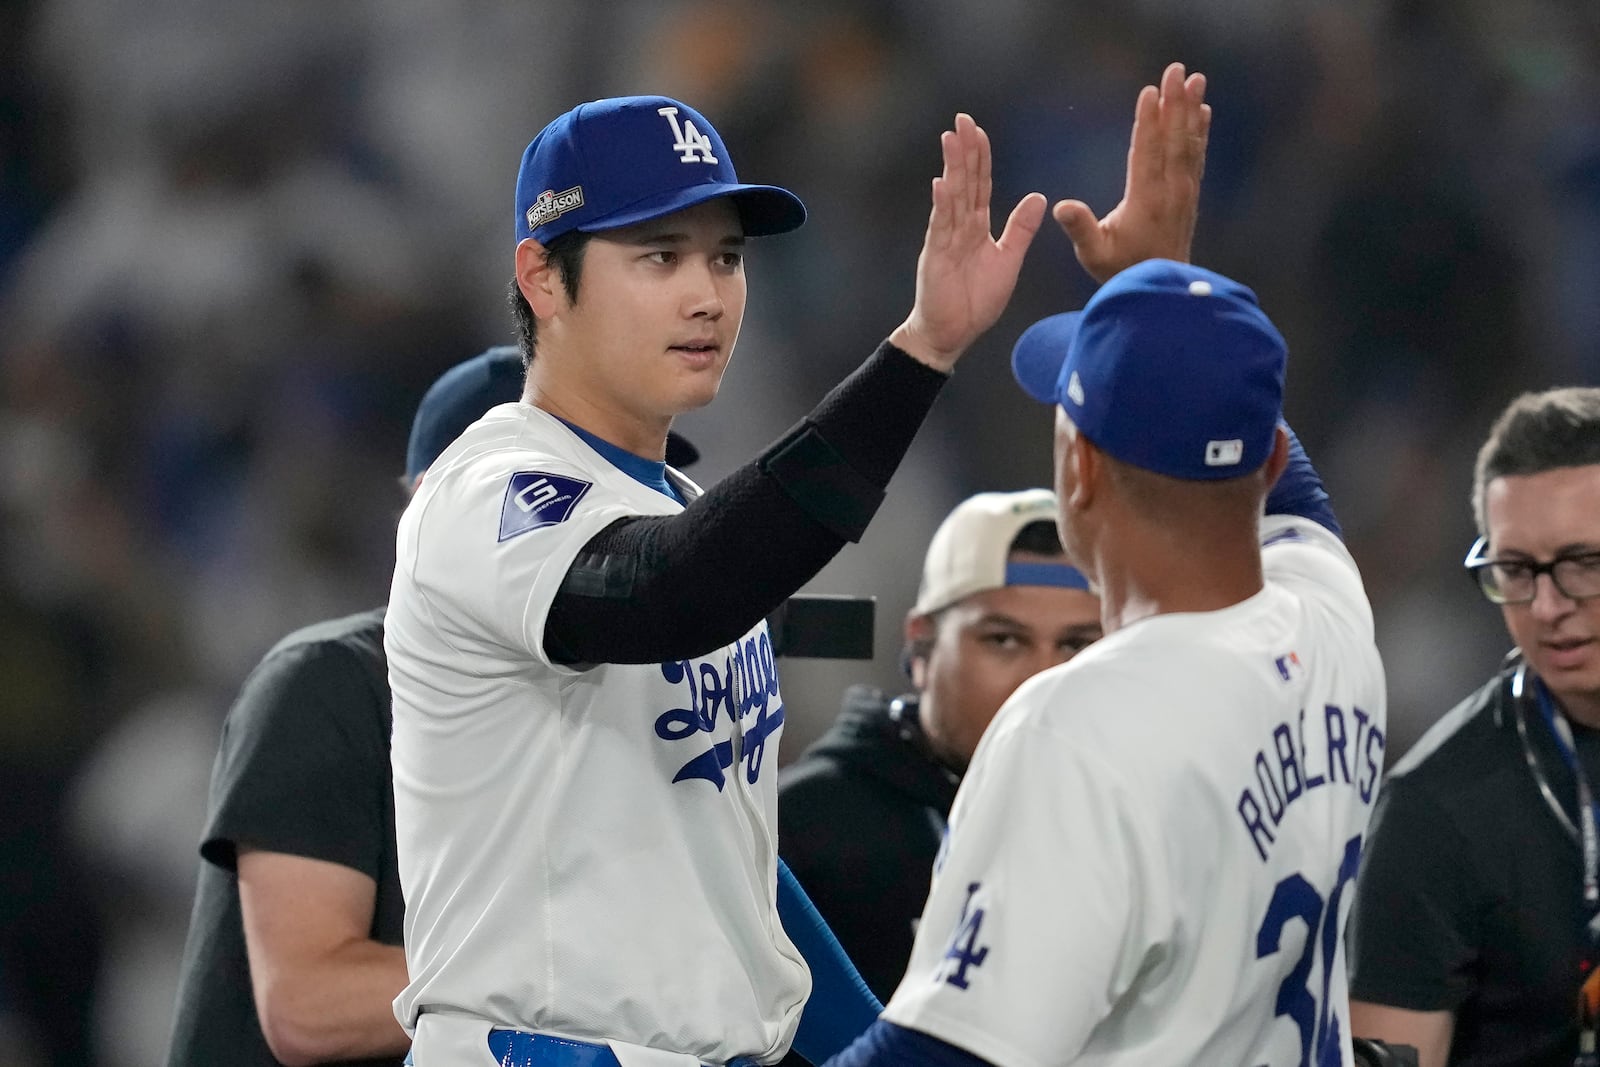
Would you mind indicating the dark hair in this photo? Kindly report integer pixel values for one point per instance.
(565, 254)
(1536, 433)
(1040, 538)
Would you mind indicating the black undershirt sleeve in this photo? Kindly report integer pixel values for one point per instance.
(659, 588)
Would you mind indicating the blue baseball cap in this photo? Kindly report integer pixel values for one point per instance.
(1169, 367)
(457, 399)
(615, 162)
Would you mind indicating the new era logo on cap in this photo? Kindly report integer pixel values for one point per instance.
(1075, 389)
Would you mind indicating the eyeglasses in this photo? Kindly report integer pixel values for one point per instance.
(1516, 581)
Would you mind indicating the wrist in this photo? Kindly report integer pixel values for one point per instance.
(908, 339)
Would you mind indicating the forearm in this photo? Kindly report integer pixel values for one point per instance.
(841, 1007)
(1299, 490)
(336, 1007)
(656, 589)
(1429, 1032)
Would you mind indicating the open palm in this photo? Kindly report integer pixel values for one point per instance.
(964, 276)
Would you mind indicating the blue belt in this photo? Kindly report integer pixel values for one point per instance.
(516, 1048)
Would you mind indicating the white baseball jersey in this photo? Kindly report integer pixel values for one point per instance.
(585, 852)
(1150, 858)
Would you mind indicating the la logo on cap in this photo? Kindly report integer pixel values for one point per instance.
(1224, 453)
(687, 140)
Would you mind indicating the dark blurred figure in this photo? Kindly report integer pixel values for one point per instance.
(51, 935)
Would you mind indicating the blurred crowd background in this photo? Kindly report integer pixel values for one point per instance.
(237, 241)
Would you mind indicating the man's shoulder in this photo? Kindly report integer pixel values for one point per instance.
(334, 668)
(510, 439)
(359, 636)
(1465, 744)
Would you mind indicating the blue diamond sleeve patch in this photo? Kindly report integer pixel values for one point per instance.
(535, 500)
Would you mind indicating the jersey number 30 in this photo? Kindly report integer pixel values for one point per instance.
(1296, 898)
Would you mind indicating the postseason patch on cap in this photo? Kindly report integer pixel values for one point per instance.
(551, 205)
(535, 500)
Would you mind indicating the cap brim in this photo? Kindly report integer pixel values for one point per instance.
(764, 210)
(1040, 352)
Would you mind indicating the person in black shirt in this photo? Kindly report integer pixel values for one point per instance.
(293, 954)
(862, 812)
(1469, 930)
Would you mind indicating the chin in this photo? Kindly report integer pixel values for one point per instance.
(696, 393)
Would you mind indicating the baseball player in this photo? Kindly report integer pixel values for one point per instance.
(1150, 859)
(586, 707)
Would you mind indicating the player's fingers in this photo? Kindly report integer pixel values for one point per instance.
(950, 182)
(939, 223)
(1021, 226)
(955, 162)
(1188, 143)
(1079, 224)
(1144, 146)
(1172, 81)
(1174, 108)
(968, 131)
(985, 187)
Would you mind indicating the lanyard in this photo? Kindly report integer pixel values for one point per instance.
(1589, 837)
(1589, 992)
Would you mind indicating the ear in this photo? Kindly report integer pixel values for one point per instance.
(1089, 462)
(919, 631)
(540, 285)
(1078, 466)
(1278, 459)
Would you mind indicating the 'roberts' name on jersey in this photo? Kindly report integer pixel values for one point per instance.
(1346, 748)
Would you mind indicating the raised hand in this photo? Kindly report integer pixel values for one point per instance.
(964, 276)
(1166, 158)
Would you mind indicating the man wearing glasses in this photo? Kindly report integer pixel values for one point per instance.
(1476, 923)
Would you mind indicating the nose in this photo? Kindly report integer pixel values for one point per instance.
(702, 294)
(1549, 602)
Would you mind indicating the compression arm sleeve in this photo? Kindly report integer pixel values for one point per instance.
(1299, 490)
(661, 588)
(887, 1045)
(841, 1006)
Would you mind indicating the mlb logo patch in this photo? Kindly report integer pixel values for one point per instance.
(1224, 453)
(535, 499)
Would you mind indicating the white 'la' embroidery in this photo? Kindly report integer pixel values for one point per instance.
(687, 139)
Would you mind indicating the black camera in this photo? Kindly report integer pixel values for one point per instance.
(1370, 1053)
(823, 627)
